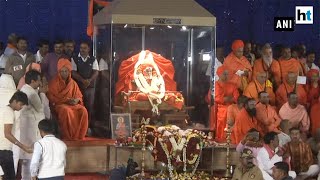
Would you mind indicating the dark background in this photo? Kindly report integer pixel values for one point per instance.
(236, 19)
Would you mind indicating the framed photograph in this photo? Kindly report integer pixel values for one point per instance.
(121, 125)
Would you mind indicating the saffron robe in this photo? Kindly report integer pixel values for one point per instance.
(253, 89)
(233, 64)
(291, 65)
(222, 90)
(72, 119)
(232, 112)
(315, 117)
(283, 91)
(243, 124)
(297, 116)
(268, 117)
(313, 94)
(273, 71)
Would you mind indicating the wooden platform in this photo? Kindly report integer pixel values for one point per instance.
(100, 155)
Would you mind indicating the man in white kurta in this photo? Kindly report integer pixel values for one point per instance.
(30, 116)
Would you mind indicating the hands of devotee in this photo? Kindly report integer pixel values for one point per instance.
(28, 149)
(43, 89)
(33, 178)
(86, 82)
(73, 101)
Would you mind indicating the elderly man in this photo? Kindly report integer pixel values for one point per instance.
(295, 113)
(247, 170)
(269, 65)
(246, 120)
(302, 161)
(239, 68)
(289, 86)
(266, 114)
(270, 154)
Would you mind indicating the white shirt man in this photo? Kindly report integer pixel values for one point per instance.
(49, 154)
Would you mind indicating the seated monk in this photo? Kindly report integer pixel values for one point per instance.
(295, 113)
(289, 86)
(232, 113)
(267, 115)
(246, 120)
(269, 65)
(225, 94)
(66, 98)
(239, 67)
(312, 87)
(302, 161)
(289, 64)
(259, 84)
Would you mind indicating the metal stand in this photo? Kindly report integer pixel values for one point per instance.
(228, 167)
(144, 133)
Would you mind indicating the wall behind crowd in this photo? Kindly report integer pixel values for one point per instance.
(236, 19)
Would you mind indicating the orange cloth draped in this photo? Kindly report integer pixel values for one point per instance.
(232, 112)
(32, 66)
(314, 116)
(283, 91)
(272, 71)
(313, 94)
(243, 123)
(73, 119)
(126, 80)
(90, 15)
(253, 89)
(297, 116)
(233, 64)
(222, 90)
(291, 65)
(268, 117)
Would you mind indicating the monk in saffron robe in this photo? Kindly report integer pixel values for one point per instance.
(312, 87)
(225, 94)
(289, 86)
(239, 67)
(314, 116)
(267, 115)
(232, 112)
(260, 83)
(269, 65)
(289, 64)
(66, 98)
(246, 120)
(295, 113)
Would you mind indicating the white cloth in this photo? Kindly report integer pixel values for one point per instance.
(49, 158)
(312, 171)
(30, 116)
(6, 117)
(23, 56)
(283, 139)
(25, 169)
(3, 61)
(95, 65)
(313, 66)
(1, 171)
(39, 57)
(46, 106)
(217, 64)
(103, 65)
(9, 51)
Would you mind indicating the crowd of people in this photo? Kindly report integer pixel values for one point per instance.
(271, 106)
(57, 85)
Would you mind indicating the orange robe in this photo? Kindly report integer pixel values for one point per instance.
(313, 94)
(233, 64)
(314, 118)
(253, 89)
(222, 90)
(273, 71)
(72, 119)
(232, 112)
(291, 65)
(243, 124)
(283, 91)
(268, 117)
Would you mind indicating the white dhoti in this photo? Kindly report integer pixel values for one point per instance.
(312, 171)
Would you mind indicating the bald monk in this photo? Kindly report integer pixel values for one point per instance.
(246, 120)
(289, 64)
(258, 84)
(295, 113)
(239, 67)
(312, 87)
(66, 98)
(289, 86)
(232, 112)
(225, 94)
(269, 65)
(266, 114)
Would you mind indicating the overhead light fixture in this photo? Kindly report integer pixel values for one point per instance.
(184, 28)
(151, 28)
(169, 27)
(206, 57)
(125, 26)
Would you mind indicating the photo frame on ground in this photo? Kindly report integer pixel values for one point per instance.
(120, 125)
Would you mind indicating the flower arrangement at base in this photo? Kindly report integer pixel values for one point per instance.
(178, 149)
